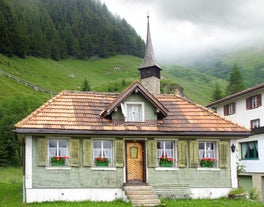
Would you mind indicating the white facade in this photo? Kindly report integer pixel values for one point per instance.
(242, 115)
(247, 116)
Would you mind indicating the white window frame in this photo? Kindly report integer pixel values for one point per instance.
(57, 153)
(205, 153)
(174, 151)
(246, 146)
(142, 115)
(255, 123)
(97, 154)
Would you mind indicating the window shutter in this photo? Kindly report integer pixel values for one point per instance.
(223, 154)
(193, 148)
(74, 152)
(87, 152)
(226, 110)
(152, 148)
(249, 103)
(42, 147)
(259, 101)
(182, 156)
(234, 107)
(119, 153)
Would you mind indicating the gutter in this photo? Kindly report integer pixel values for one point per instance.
(239, 134)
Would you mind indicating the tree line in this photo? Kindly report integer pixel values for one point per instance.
(64, 28)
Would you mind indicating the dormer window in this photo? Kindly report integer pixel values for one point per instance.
(133, 111)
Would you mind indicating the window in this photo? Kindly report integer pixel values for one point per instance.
(165, 153)
(207, 154)
(103, 152)
(229, 109)
(255, 123)
(134, 112)
(253, 102)
(58, 152)
(249, 150)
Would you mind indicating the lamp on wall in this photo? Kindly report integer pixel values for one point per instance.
(233, 148)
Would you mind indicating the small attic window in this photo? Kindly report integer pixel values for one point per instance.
(133, 111)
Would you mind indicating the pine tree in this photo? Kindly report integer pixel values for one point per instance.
(217, 93)
(235, 81)
(85, 86)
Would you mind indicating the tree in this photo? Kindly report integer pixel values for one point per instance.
(12, 110)
(235, 81)
(217, 93)
(85, 86)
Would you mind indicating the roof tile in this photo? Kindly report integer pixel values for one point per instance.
(74, 110)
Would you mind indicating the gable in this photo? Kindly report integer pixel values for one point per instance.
(135, 88)
(135, 99)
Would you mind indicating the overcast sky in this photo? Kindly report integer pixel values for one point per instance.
(184, 29)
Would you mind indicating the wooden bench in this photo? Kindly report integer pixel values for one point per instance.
(173, 191)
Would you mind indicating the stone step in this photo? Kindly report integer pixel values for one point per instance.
(142, 195)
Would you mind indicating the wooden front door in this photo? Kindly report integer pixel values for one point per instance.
(135, 162)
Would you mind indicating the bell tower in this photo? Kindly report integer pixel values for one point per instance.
(149, 69)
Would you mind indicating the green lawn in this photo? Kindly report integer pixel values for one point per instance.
(11, 196)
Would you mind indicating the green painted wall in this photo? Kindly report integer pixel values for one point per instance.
(137, 97)
(76, 177)
(85, 177)
(191, 176)
(245, 182)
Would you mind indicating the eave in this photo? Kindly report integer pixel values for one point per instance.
(135, 87)
(202, 134)
(241, 93)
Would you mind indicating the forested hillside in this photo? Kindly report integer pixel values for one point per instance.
(250, 62)
(62, 28)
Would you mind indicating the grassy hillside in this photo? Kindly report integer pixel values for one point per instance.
(249, 60)
(197, 86)
(110, 74)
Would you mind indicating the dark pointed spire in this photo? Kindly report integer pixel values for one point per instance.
(149, 58)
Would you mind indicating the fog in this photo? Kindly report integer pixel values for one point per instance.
(184, 31)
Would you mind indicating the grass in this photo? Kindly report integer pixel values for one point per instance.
(101, 75)
(11, 196)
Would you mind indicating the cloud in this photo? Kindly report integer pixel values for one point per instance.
(183, 29)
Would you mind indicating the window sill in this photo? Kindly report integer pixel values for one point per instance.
(166, 168)
(207, 169)
(103, 168)
(250, 159)
(58, 168)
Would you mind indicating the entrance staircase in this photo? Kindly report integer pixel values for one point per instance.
(142, 195)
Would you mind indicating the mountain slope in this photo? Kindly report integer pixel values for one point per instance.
(249, 60)
(65, 28)
(107, 74)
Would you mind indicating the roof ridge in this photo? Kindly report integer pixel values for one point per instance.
(90, 92)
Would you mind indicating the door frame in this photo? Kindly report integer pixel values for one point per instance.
(143, 142)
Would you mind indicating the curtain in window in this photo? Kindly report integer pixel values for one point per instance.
(134, 112)
(244, 150)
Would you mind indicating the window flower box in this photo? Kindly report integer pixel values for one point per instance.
(58, 160)
(208, 162)
(166, 161)
(101, 161)
(166, 164)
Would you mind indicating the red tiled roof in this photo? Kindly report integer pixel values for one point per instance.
(79, 113)
(238, 94)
